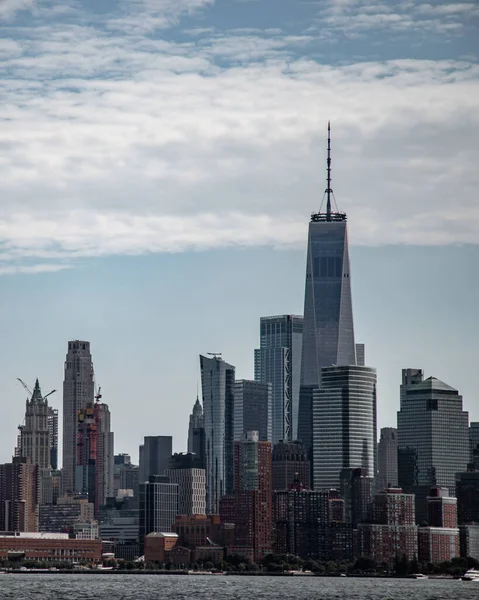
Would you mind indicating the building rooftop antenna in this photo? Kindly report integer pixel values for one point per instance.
(328, 189)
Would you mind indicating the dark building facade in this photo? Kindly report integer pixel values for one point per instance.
(155, 456)
(357, 489)
(433, 437)
(158, 506)
(252, 409)
(196, 434)
(290, 462)
(19, 495)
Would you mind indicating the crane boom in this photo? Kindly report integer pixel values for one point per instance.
(25, 386)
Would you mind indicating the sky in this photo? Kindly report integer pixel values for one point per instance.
(160, 159)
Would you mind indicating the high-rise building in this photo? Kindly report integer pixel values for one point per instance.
(52, 420)
(196, 433)
(186, 470)
(155, 456)
(78, 392)
(467, 492)
(95, 454)
(361, 355)
(392, 531)
(387, 459)
(328, 333)
(290, 463)
(433, 438)
(473, 438)
(439, 541)
(252, 503)
(158, 506)
(252, 409)
(344, 424)
(65, 514)
(278, 361)
(469, 541)
(357, 489)
(217, 385)
(35, 433)
(19, 495)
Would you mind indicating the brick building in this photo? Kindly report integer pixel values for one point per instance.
(290, 462)
(440, 540)
(52, 547)
(19, 495)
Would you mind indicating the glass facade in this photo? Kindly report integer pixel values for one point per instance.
(158, 506)
(217, 384)
(328, 332)
(252, 409)
(278, 361)
(344, 424)
(433, 438)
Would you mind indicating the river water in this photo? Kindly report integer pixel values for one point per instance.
(171, 587)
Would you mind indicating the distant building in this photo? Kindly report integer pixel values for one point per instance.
(155, 456)
(387, 459)
(357, 489)
(78, 392)
(119, 521)
(469, 541)
(50, 486)
(196, 433)
(35, 433)
(95, 454)
(52, 420)
(392, 531)
(48, 547)
(217, 384)
(433, 437)
(158, 506)
(158, 546)
(473, 438)
(200, 530)
(19, 495)
(278, 361)
(344, 424)
(252, 409)
(62, 516)
(290, 462)
(186, 471)
(467, 492)
(439, 541)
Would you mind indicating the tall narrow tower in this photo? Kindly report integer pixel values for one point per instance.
(78, 392)
(34, 436)
(328, 329)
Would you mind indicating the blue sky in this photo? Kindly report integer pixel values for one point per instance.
(159, 162)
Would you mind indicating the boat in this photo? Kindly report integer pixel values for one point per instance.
(471, 575)
(418, 576)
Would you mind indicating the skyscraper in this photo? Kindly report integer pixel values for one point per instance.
(35, 440)
(53, 431)
(158, 506)
(387, 459)
(217, 384)
(155, 456)
(186, 470)
(78, 392)
(290, 463)
(196, 433)
(328, 330)
(252, 409)
(433, 438)
(95, 454)
(344, 424)
(19, 495)
(278, 361)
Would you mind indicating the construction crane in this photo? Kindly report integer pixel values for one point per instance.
(98, 393)
(31, 391)
(214, 354)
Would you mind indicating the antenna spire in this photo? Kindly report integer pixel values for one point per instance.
(328, 189)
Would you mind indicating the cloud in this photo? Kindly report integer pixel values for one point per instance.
(123, 144)
(32, 269)
(8, 8)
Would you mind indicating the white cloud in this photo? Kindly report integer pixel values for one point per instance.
(117, 144)
(32, 269)
(8, 8)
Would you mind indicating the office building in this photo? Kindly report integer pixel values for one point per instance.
(155, 456)
(433, 438)
(357, 488)
(95, 454)
(473, 438)
(34, 434)
(278, 361)
(469, 541)
(252, 409)
(78, 392)
(48, 547)
(52, 420)
(467, 492)
(387, 459)
(196, 433)
(344, 424)
(158, 506)
(217, 385)
(19, 495)
(289, 463)
(439, 541)
(186, 471)
(250, 507)
(392, 531)
(65, 514)
(50, 486)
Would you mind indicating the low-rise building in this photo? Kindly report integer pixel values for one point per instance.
(158, 546)
(52, 547)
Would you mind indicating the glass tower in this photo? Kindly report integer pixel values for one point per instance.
(278, 361)
(217, 385)
(433, 438)
(344, 424)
